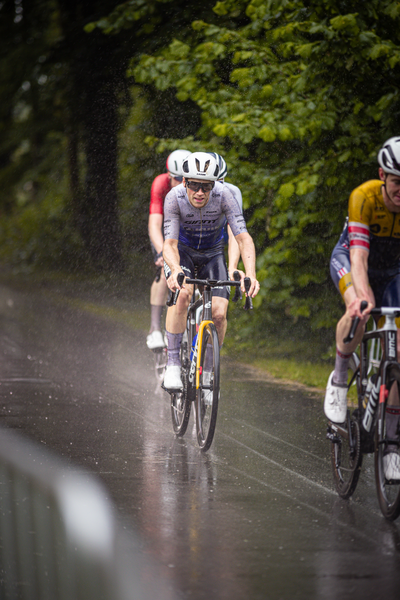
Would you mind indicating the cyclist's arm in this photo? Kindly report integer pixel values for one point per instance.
(156, 233)
(233, 253)
(359, 276)
(172, 258)
(248, 254)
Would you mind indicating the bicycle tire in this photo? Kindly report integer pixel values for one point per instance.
(181, 402)
(208, 393)
(347, 461)
(388, 491)
(160, 363)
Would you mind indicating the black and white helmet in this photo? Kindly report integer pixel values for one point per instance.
(389, 156)
(200, 165)
(175, 160)
(223, 169)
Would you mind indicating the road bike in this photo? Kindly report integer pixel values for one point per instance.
(365, 429)
(200, 361)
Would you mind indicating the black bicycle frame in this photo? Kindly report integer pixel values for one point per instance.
(387, 335)
(205, 300)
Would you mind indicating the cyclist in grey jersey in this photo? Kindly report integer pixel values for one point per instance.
(194, 218)
(202, 228)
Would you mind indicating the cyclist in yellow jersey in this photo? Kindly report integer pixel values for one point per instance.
(365, 265)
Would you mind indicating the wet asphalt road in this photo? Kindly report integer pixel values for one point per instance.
(256, 517)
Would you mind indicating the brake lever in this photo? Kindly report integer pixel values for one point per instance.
(248, 305)
(173, 296)
(355, 324)
(238, 291)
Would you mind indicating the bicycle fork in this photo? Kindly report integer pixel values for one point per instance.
(195, 367)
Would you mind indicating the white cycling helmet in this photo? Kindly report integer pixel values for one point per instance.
(174, 162)
(223, 169)
(200, 165)
(389, 156)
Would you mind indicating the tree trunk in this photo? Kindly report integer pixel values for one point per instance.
(99, 210)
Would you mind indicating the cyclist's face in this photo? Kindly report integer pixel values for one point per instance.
(392, 187)
(197, 199)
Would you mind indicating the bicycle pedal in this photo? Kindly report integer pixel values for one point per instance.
(332, 437)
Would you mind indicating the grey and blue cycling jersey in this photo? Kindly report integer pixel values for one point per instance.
(236, 193)
(202, 228)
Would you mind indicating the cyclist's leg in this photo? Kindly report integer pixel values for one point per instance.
(335, 404)
(158, 297)
(215, 268)
(341, 276)
(175, 326)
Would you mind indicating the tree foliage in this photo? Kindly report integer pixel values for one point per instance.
(297, 95)
(298, 99)
(64, 98)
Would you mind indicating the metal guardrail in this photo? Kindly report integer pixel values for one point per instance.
(59, 537)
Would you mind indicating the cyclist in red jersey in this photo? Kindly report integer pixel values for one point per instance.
(161, 185)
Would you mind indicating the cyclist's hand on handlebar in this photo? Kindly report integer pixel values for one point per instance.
(354, 309)
(254, 287)
(173, 282)
(232, 276)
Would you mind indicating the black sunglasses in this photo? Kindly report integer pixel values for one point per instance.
(196, 185)
(177, 178)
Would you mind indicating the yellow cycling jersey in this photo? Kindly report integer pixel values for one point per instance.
(373, 226)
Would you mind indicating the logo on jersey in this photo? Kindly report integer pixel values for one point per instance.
(198, 222)
(375, 228)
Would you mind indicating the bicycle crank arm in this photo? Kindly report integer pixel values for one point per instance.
(337, 430)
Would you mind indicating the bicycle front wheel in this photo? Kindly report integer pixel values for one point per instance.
(181, 401)
(388, 489)
(208, 391)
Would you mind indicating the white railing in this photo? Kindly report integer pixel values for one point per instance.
(59, 537)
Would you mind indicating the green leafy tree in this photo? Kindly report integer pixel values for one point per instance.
(298, 99)
(64, 96)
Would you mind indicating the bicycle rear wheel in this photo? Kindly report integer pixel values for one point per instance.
(208, 391)
(160, 363)
(388, 490)
(181, 401)
(346, 460)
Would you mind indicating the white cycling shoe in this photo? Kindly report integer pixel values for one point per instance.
(335, 405)
(172, 378)
(391, 466)
(155, 341)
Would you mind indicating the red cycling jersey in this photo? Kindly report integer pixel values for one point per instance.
(159, 189)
